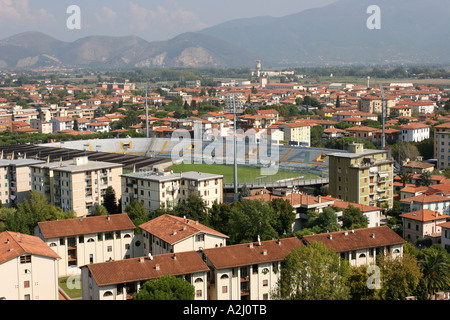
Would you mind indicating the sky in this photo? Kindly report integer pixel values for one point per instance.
(152, 20)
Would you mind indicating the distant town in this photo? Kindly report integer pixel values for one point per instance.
(95, 207)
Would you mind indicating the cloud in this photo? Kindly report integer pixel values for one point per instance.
(172, 17)
(18, 11)
(106, 16)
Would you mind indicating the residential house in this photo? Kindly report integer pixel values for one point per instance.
(28, 268)
(423, 223)
(87, 240)
(414, 132)
(62, 123)
(433, 202)
(361, 246)
(296, 133)
(171, 234)
(120, 279)
(248, 271)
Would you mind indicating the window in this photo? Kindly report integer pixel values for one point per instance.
(25, 259)
(224, 289)
(198, 293)
(26, 284)
(265, 283)
(224, 276)
(109, 248)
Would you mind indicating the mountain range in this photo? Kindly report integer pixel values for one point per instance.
(412, 32)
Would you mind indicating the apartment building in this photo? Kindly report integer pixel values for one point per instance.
(435, 202)
(172, 234)
(362, 176)
(414, 132)
(119, 280)
(15, 180)
(297, 133)
(62, 123)
(87, 240)
(361, 246)
(165, 189)
(248, 271)
(28, 268)
(445, 235)
(442, 145)
(77, 184)
(374, 104)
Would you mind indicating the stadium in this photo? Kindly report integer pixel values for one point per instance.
(259, 165)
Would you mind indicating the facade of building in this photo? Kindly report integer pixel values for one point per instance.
(297, 133)
(442, 145)
(423, 223)
(248, 271)
(171, 234)
(362, 176)
(77, 184)
(28, 268)
(414, 132)
(165, 189)
(87, 240)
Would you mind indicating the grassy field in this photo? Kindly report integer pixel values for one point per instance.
(245, 174)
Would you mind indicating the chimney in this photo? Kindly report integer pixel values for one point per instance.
(320, 198)
(141, 259)
(264, 252)
(174, 257)
(108, 218)
(373, 235)
(250, 245)
(330, 237)
(157, 267)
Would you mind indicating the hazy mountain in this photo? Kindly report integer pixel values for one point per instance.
(412, 31)
(32, 49)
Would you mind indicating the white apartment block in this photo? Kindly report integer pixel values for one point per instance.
(247, 271)
(108, 281)
(15, 180)
(172, 234)
(166, 189)
(361, 246)
(414, 132)
(445, 235)
(62, 123)
(28, 268)
(77, 184)
(87, 240)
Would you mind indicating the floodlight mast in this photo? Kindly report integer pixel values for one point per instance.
(383, 111)
(236, 191)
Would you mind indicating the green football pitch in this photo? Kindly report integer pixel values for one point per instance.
(245, 174)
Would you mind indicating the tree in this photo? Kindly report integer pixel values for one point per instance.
(326, 221)
(353, 218)
(166, 288)
(425, 179)
(313, 272)
(405, 150)
(109, 200)
(137, 213)
(405, 177)
(219, 216)
(250, 219)
(434, 264)
(194, 208)
(101, 211)
(285, 215)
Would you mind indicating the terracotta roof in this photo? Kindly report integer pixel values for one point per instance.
(251, 253)
(423, 198)
(13, 244)
(418, 164)
(342, 241)
(144, 268)
(414, 125)
(85, 225)
(173, 229)
(424, 215)
(414, 189)
(295, 199)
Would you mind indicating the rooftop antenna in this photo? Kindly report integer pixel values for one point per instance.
(383, 111)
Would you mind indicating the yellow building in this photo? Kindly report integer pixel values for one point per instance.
(362, 176)
(77, 184)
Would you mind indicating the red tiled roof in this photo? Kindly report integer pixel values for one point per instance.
(85, 225)
(172, 229)
(342, 241)
(144, 268)
(251, 253)
(424, 215)
(13, 244)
